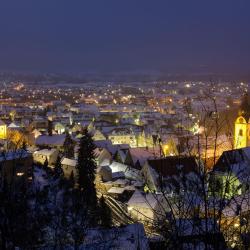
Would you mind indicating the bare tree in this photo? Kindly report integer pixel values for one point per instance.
(199, 201)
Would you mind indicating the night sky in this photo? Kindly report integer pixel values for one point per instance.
(125, 35)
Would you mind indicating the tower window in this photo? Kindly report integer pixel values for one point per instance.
(240, 132)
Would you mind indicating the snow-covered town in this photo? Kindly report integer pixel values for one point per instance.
(124, 125)
(159, 174)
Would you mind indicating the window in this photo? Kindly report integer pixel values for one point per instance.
(240, 132)
(20, 174)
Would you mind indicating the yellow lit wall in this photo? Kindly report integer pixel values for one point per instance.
(240, 133)
(3, 131)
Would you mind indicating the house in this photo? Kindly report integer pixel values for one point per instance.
(97, 135)
(76, 128)
(51, 155)
(136, 157)
(16, 167)
(236, 220)
(117, 193)
(13, 125)
(59, 128)
(145, 139)
(120, 189)
(54, 141)
(36, 133)
(107, 144)
(169, 145)
(170, 173)
(125, 170)
(121, 154)
(69, 167)
(147, 208)
(105, 173)
(231, 173)
(123, 136)
(40, 124)
(102, 156)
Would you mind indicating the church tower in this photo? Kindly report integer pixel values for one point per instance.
(241, 133)
(3, 130)
(242, 125)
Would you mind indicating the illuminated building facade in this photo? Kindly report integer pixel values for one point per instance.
(241, 132)
(3, 130)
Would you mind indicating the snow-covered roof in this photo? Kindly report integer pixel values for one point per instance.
(55, 140)
(11, 155)
(234, 162)
(36, 133)
(13, 125)
(142, 154)
(116, 190)
(69, 162)
(45, 152)
(120, 182)
(138, 183)
(117, 167)
(104, 167)
(130, 188)
(141, 200)
(129, 172)
(122, 155)
(118, 175)
(106, 144)
(98, 151)
(237, 205)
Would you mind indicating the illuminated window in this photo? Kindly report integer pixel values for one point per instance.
(20, 174)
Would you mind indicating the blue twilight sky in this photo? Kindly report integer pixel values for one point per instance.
(125, 35)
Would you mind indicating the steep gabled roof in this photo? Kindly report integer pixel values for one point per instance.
(173, 165)
(235, 162)
(55, 140)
